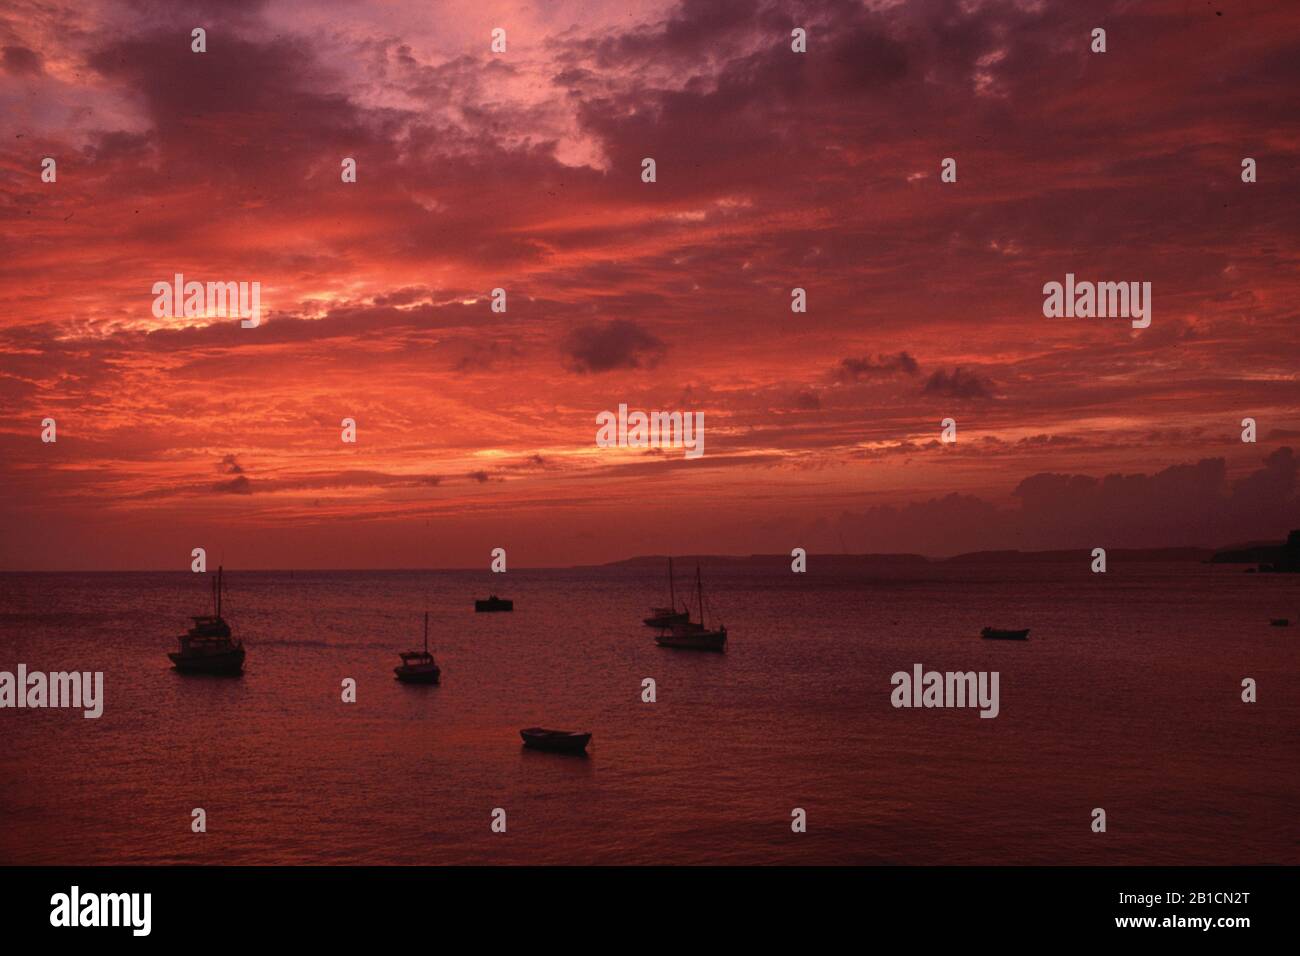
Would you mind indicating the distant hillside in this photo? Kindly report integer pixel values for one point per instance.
(824, 560)
(1255, 553)
(1081, 554)
(660, 561)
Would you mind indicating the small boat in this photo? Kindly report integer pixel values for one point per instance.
(1280, 622)
(419, 667)
(998, 634)
(556, 741)
(207, 647)
(494, 603)
(694, 636)
(668, 616)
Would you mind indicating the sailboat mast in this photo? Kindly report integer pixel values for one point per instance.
(672, 596)
(699, 588)
(218, 590)
(426, 632)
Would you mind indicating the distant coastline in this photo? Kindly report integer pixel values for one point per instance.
(1250, 553)
(1247, 553)
(1060, 556)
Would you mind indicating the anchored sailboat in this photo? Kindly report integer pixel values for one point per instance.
(419, 667)
(693, 636)
(668, 616)
(207, 647)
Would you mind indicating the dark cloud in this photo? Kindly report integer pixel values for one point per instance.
(601, 347)
(1182, 505)
(857, 369)
(806, 400)
(958, 383)
(20, 61)
(239, 485)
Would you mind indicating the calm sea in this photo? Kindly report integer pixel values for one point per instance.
(1127, 696)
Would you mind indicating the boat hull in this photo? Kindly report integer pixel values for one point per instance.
(693, 640)
(667, 620)
(226, 664)
(560, 742)
(489, 606)
(993, 634)
(418, 675)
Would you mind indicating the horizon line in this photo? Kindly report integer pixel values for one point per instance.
(721, 556)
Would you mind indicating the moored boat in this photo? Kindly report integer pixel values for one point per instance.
(556, 741)
(692, 635)
(494, 603)
(207, 647)
(419, 667)
(1000, 634)
(668, 616)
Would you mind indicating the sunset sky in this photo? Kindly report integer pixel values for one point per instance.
(522, 170)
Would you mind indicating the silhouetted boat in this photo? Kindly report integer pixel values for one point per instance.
(558, 741)
(694, 636)
(1280, 622)
(419, 667)
(998, 634)
(494, 603)
(207, 648)
(668, 616)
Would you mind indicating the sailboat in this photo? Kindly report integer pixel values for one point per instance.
(419, 667)
(207, 648)
(668, 616)
(693, 636)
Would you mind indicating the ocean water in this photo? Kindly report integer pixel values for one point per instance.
(1127, 697)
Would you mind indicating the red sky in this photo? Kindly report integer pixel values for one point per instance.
(521, 170)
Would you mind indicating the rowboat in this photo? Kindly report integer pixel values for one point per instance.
(556, 741)
(998, 634)
(494, 603)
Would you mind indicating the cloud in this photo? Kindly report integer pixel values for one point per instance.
(806, 400)
(20, 61)
(1190, 504)
(858, 369)
(602, 347)
(958, 383)
(239, 485)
